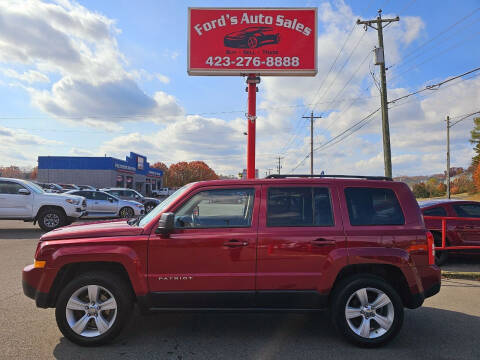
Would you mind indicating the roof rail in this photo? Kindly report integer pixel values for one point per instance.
(284, 176)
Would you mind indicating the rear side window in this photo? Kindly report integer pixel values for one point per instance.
(467, 210)
(373, 206)
(436, 211)
(302, 206)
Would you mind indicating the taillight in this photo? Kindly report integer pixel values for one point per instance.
(431, 248)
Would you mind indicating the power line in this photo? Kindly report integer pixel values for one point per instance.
(438, 35)
(435, 56)
(434, 86)
(465, 117)
(407, 5)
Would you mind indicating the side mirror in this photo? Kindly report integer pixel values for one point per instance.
(165, 224)
(23, 192)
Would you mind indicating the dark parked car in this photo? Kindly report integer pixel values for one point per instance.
(86, 187)
(252, 37)
(50, 187)
(459, 232)
(67, 187)
(130, 194)
(356, 246)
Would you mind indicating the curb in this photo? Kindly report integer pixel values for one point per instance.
(461, 275)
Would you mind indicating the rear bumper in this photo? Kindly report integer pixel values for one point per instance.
(429, 283)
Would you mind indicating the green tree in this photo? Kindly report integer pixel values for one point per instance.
(475, 140)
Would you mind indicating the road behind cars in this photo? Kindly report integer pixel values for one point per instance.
(447, 327)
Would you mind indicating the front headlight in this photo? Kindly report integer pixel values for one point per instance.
(73, 201)
(139, 206)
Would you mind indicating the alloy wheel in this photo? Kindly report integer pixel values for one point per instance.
(369, 313)
(91, 311)
(51, 220)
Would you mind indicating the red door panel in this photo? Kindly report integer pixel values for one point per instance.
(296, 257)
(205, 259)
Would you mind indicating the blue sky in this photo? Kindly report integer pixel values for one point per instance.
(109, 77)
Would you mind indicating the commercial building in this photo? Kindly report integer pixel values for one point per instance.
(134, 172)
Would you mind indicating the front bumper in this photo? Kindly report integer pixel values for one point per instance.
(31, 276)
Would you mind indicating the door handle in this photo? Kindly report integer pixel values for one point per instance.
(323, 242)
(235, 243)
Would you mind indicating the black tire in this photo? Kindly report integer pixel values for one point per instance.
(441, 257)
(126, 213)
(149, 207)
(121, 294)
(51, 218)
(346, 290)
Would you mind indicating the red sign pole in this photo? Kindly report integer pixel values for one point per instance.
(252, 82)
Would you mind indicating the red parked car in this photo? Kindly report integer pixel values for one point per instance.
(355, 245)
(459, 232)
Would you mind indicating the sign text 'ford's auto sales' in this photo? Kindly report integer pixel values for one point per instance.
(267, 41)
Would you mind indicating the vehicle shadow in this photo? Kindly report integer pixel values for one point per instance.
(25, 233)
(428, 333)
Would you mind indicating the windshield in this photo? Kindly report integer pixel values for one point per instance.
(160, 207)
(34, 187)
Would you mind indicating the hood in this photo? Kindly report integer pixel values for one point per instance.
(95, 229)
(62, 196)
(145, 199)
(130, 202)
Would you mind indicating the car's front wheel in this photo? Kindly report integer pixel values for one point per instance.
(126, 213)
(367, 310)
(93, 308)
(51, 218)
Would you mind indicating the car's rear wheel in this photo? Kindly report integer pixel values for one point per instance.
(366, 310)
(93, 308)
(51, 218)
(441, 257)
(126, 213)
(252, 42)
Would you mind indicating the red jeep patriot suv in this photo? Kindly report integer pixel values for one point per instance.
(356, 245)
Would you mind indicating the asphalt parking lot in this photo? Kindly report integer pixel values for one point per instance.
(447, 327)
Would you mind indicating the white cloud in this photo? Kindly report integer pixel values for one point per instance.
(30, 76)
(162, 78)
(18, 147)
(69, 40)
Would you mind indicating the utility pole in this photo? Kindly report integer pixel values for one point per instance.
(448, 157)
(279, 166)
(380, 60)
(311, 117)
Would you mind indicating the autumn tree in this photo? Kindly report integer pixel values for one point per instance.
(34, 174)
(420, 191)
(184, 172)
(11, 172)
(476, 178)
(162, 166)
(462, 184)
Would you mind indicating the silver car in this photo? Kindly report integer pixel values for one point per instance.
(103, 205)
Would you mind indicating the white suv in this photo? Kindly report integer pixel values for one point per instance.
(24, 200)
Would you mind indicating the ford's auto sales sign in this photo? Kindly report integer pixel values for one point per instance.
(267, 41)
